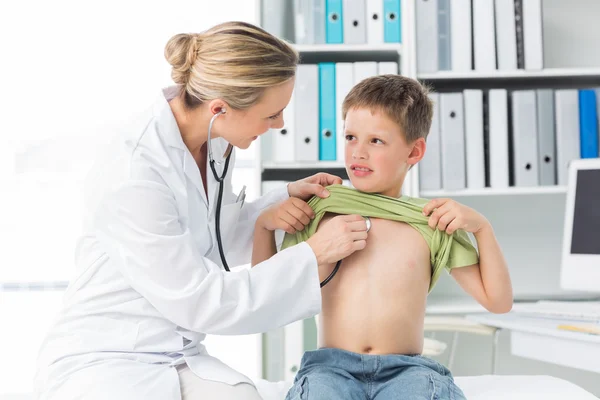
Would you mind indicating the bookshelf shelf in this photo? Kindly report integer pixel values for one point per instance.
(348, 48)
(303, 165)
(563, 73)
(511, 191)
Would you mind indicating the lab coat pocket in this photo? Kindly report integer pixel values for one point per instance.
(230, 215)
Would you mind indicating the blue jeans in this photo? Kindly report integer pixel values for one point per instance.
(330, 374)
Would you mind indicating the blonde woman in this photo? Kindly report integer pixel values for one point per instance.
(150, 283)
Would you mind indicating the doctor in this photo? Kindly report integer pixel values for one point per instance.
(149, 281)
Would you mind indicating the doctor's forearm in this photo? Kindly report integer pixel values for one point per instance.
(264, 245)
(494, 271)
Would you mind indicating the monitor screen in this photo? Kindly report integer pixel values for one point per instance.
(586, 213)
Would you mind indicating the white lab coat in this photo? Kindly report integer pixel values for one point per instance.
(149, 283)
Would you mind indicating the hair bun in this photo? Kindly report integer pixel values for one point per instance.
(181, 52)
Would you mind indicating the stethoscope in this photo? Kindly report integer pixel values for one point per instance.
(220, 179)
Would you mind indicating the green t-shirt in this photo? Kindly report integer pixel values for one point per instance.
(447, 251)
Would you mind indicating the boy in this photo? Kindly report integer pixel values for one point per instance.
(373, 310)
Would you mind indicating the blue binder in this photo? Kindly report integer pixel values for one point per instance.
(334, 27)
(588, 123)
(327, 113)
(392, 22)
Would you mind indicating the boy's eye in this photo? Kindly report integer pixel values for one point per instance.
(275, 116)
(378, 141)
(349, 137)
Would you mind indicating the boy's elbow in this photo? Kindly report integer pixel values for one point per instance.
(500, 307)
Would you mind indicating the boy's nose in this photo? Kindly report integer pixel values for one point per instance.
(359, 154)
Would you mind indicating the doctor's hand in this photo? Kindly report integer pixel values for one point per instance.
(338, 238)
(291, 215)
(313, 186)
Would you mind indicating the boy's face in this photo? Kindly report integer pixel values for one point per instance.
(377, 155)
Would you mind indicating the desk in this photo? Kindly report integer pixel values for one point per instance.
(540, 339)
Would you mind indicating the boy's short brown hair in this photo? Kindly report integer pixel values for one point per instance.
(402, 99)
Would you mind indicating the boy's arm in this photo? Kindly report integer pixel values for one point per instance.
(264, 244)
(290, 216)
(489, 281)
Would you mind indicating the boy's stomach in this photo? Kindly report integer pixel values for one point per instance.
(376, 302)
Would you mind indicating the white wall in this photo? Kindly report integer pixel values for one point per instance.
(70, 71)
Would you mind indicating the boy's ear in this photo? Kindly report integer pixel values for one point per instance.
(417, 152)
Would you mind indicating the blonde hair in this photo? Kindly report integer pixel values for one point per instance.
(233, 61)
(404, 100)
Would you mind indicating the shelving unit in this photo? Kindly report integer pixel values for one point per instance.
(510, 191)
(528, 221)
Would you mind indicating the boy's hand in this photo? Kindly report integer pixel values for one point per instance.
(313, 186)
(290, 216)
(449, 215)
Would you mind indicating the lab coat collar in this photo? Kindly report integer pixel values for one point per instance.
(169, 130)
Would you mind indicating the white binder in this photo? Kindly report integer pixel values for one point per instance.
(427, 35)
(444, 26)
(546, 137)
(474, 143)
(344, 80)
(430, 168)
(304, 24)
(355, 27)
(293, 349)
(364, 70)
(452, 134)
(506, 34)
(524, 133)
(484, 35)
(375, 21)
(532, 34)
(387, 67)
(568, 142)
(307, 114)
(461, 40)
(284, 139)
(498, 138)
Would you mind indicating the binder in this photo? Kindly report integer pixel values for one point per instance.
(588, 123)
(506, 34)
(375, 21)
(293, 349)
(484, 35)
(334, 27)
(304, 24)
(474, 143)
(444, 50)
(355, 27)
(327, 129)
(430, 168)
(452, 135)
(363, 70)
(283, 149)
(519, 34)
(498, 138)
(306, 114)
(344, 80)
(427, 35)
(392, 23)
(525, 133)
(546, 137)
(461, 39)
(319, 18)
(387, 67)
(566, 105)
(532, 34)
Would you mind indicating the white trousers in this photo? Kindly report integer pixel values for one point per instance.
(195, 388)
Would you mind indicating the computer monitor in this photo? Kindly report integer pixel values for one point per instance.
(580, 269)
